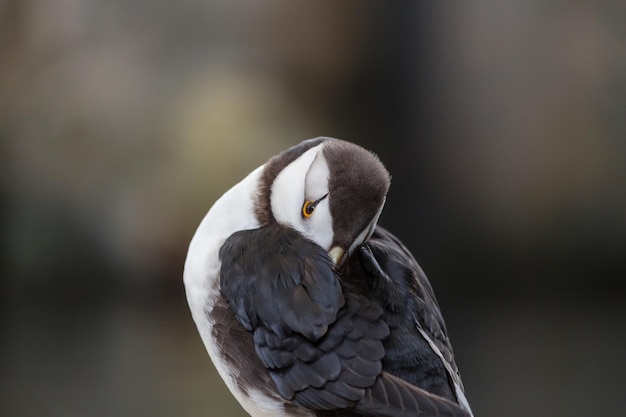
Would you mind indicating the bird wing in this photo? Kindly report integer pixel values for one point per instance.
(395, 275)
(322, 348)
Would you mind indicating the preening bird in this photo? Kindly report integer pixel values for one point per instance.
(306, 306)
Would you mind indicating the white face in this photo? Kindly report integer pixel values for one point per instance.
(305, 179)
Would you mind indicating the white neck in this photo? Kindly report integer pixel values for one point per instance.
(232, 212)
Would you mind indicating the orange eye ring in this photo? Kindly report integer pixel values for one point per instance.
(308, 208)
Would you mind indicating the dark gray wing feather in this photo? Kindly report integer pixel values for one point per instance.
(421, 353)
(272, 278)
(391, 396)
(322, 347)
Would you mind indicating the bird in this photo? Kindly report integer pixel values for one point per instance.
(306, 306)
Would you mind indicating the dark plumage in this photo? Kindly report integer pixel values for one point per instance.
(301, 322)
(324, 351)
(402, 289)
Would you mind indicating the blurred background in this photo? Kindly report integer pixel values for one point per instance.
(502, 122)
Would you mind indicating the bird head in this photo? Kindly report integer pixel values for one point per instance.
(329, 190)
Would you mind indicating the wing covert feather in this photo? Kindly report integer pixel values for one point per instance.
(322, 346)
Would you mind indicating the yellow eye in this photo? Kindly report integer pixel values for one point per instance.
(307, 208)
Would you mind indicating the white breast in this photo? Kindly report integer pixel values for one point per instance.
(234, 211)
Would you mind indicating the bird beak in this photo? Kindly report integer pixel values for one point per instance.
(336, 255)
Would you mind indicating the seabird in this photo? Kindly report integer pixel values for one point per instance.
(306, 306)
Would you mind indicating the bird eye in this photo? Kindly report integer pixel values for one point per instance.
(307, 208)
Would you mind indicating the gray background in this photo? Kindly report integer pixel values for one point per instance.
(502, 123)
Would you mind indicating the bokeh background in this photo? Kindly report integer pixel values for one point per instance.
(502, 123)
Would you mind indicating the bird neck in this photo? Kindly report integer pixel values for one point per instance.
(232, 212)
